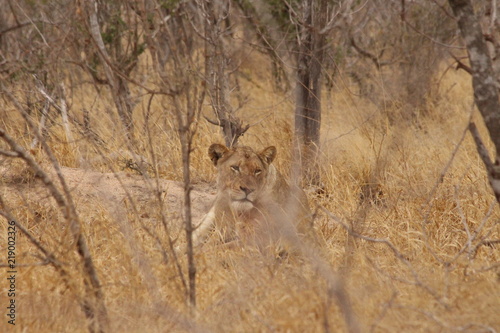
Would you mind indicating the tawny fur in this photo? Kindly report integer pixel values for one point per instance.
(253, 200)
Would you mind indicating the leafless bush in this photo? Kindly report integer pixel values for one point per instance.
(92, 303)
(113, 94)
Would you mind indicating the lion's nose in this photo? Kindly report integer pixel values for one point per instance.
(246, 190)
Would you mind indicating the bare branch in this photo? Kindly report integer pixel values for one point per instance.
(65, 203)
(417, 281)
(9, 153)
(463, 218)
(18, 26)
(439, 181)
(481, 148)
(364, 53)
(486, 242)
(493, 170)
(49, 256)
(461, 65)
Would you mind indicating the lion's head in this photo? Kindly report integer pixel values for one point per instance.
(244, 176)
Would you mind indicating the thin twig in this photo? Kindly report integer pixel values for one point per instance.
(438, 182)
(395, 251)
(463, 219)
(67, 207)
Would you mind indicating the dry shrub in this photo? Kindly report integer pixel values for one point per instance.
(384, 179)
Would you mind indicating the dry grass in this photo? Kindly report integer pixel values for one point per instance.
(385, 176)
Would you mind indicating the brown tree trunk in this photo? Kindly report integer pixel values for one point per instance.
(483, 82)
(311, 51)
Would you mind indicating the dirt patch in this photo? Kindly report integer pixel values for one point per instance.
(112, 190)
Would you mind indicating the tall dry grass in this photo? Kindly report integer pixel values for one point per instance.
(406, 216)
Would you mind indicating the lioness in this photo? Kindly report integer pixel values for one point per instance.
(253, 199)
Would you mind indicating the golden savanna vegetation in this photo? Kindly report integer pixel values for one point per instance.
(418, 185)
(408, 222)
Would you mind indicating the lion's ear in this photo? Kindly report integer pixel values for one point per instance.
(216, 151)
(268, 154)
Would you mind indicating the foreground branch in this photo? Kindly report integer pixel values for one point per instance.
(493, 169)
(93, 303)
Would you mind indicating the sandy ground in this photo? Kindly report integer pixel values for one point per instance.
(114, 190)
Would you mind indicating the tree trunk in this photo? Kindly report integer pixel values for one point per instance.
(483, 82)
(311, 51)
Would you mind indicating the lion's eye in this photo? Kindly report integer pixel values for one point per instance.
(235, 168)
(257, 172)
